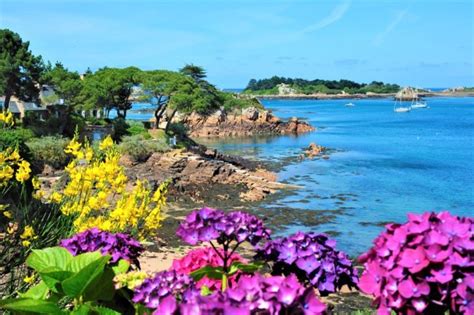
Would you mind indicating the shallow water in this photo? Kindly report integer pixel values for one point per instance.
(384, 164)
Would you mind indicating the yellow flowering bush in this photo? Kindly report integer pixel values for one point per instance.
(7, 119)
(98, 193)
(12, 165)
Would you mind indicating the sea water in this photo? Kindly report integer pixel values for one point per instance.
(382, 164)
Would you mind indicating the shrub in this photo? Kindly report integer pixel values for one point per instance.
(422, 266)
(16, 138)
(137, 128)
(48, 150)
(140, 149)
(120, 128)
(313, 258)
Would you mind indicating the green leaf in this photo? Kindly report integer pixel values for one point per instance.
(76, 285)
(41, 259)
(102, 288)
(31, 306)
(102, 310)
(247, 268)
(38, 292)
(207, 271)
(121, 267)
(83, 309)
(78, 262)
(53, 276)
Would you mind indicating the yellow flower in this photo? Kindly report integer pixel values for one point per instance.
(7, 118)
(73, 147)
(8, 214)
(106, 143)
(29, 279)
(23, 172)
(26, 243)
(14, 156)
(28, 232)
(36, 183)
(12, 228)
(55, 197)
(6, 173)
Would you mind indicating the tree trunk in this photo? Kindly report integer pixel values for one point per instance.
(168, 123)
(157, 110)
(160, 114)
(6, 103)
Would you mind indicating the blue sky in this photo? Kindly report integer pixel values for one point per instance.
(420, 43)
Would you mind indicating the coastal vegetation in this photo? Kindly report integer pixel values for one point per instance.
(301, 86)
(75, 242)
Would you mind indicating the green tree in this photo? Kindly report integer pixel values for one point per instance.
(110, 88)
(197, 73)
(67, 84)
(20, 70)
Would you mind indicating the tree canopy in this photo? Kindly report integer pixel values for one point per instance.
(20, 70)
(318, 86)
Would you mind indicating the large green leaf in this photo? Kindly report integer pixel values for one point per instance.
(102, 288)
(207, 271)
(53, 276)
(38, 292)
(41, 259)
(101, 310)
(30, 306)
(78, 262)
(76, 285)
(247, 268)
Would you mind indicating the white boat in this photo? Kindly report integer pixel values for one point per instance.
(349, 105)
(399, 108)
(402, 109)
(419, 104)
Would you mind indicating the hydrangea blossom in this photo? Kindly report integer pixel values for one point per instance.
(423, 266)
(253, 294)
(313, 258)
(209, 224)
(118, 246)
(162, 288)
(201, 257)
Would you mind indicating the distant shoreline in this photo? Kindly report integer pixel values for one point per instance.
(356, 96)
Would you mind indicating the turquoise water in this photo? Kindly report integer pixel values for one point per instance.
(384, 164)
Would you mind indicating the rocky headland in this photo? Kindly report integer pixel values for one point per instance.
(247, 122)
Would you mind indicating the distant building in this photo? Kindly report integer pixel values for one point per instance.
(285, 89)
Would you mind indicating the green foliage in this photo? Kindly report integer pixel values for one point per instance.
(269, 86)
(141, 149)
(16, 138)
(67, 85)
(120, 126)
(86, 280)
(20, 70)
(48, 150)
(137, 128)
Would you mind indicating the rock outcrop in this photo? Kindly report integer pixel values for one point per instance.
(250, 121)
(202, 173)
(314, 150)
(407, 94)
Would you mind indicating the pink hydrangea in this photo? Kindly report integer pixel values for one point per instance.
(423, 266)
(201, 257)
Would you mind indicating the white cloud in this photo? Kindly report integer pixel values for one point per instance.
(333, 17)
(379, 39)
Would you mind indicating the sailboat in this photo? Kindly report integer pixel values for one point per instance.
(419, 104)
(398, 108)
(349, 104)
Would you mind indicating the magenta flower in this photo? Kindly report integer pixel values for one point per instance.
(422, 266)
(201, 257)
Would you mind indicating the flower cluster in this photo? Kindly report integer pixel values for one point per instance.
(118, 246)
(201, 257)
(12, 165)
(422, 266)
(131, 279)
(27, 236)
(313, 258)
(7, 119)
(253, 294)
(163, 286)
(96, 193)
(208, 224)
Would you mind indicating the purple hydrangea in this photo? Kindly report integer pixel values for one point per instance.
(118, 246)
(163, 288)
(313, 258)
(423, 266)
(253, 294)
(209, 224)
